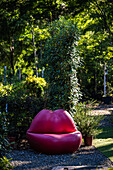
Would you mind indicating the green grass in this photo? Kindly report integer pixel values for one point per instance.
(104, 142)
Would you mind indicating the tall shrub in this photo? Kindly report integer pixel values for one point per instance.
(61, 60)
(24, 100)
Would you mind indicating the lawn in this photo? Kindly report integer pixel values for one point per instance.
(104, 142)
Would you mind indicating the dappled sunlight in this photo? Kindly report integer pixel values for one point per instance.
(102, 109)
(106, 148)
(29, 158)
(104, 145)
(19, 163)
(101, 112)
(103, 142)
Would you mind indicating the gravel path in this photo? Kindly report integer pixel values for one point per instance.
(27, 159)
(30, 160)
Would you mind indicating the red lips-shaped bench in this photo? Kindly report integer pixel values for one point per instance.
(54, 132)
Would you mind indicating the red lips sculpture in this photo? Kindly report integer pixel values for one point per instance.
(54, 132)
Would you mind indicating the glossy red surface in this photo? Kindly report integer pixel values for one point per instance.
(54, 132)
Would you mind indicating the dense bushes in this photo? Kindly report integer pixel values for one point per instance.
(60, 60)
(23, 101)
(4, 143)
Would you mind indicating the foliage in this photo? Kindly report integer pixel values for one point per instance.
(86, 123)
(27, 19)
(75, 7)
(95, 47)
(31, 86)
(18, 22)
(5, 164)
(60, 61)
(24, 101)
(21, 111)
(34, 85)
(4, 143)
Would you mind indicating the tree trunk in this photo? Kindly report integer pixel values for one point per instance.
(35, 56)
(12, 58)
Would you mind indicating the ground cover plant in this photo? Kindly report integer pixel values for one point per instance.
(104, 142)
(5, 164)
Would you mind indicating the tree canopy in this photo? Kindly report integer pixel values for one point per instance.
(24, 28)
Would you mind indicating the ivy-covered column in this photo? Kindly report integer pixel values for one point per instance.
(61, 60)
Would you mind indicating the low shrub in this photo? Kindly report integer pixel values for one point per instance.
(35, 85)
(86, 123)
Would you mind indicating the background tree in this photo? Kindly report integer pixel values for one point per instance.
(95, 47)
(25, 21)
(14, 17)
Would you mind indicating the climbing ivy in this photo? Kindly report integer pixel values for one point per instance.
(61, 60)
